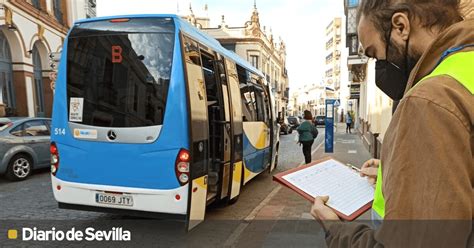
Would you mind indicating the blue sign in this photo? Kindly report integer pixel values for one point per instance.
(329, 134)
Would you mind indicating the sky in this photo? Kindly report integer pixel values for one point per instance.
(300, 23)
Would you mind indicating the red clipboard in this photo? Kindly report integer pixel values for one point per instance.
(279, 178)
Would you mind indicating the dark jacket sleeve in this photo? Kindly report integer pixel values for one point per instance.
(427, 182)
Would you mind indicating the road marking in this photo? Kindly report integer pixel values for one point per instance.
(232, 240)
(352, 151)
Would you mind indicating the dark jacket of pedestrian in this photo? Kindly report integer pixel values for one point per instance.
(305, 131)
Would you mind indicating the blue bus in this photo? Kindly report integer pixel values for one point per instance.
(152, 117)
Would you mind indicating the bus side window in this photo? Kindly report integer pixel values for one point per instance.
(260, 105)
(191, 52)
(248, 104)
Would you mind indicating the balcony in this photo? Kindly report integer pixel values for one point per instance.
(329, 73)
(329, 43)
(329, 58)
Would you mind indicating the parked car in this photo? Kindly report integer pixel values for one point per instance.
(294, 122)
(285, 126)
(319, 120)
(24, 146)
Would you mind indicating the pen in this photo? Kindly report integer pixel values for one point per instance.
(353, 167)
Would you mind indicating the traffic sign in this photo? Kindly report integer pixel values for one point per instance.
(337, 103)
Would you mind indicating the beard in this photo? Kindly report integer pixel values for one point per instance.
(396, 54)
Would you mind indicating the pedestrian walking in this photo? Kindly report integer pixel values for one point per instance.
(348, 122)
(307, 133)
(425, 55)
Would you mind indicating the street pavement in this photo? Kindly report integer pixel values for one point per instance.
(266, 214)
(285, 220)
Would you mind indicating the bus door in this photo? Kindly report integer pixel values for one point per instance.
(199, 136)
(220, 126)
(263, 119)
(226, 126)
(275, 130)
(236, 173)
(269, 121)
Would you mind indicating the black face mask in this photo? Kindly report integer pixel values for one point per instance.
(390, 79)
(393, 79)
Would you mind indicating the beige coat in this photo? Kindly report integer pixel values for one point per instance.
(427, 161)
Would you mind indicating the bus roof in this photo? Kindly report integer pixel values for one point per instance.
(191, 31)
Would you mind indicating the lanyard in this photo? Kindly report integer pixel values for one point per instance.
(452, 50)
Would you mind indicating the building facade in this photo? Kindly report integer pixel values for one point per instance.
(335, 77)
(257, 46)
(372, 108)
(30, 31)
(312, 97)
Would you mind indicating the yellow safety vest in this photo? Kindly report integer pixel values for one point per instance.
(458, 66)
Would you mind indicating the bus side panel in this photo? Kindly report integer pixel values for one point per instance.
(255, 148)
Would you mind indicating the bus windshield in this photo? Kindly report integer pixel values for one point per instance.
(119, 71)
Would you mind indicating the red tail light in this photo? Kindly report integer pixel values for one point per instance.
(182, 166)
(54, 158)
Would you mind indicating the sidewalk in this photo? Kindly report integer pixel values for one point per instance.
(285, 221)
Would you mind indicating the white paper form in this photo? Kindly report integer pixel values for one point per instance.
(347, 191)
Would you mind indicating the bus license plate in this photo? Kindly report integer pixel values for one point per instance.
(113, 199)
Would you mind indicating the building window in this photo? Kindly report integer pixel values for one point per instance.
(91, 6)
(38, 78)
(354, 46)
(7, 93)
(36, 3)
(352, 3)
(254, 61)
(58, 13)
(230, 47)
